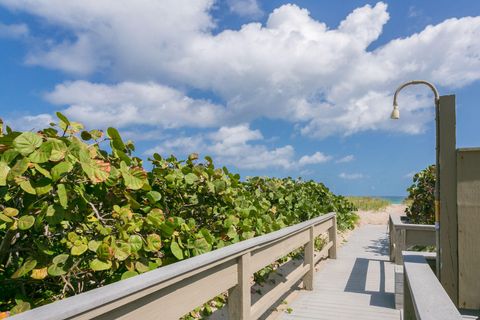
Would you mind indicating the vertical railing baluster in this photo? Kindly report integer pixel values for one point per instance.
(332, 236)
(309, 250)
(239, 297)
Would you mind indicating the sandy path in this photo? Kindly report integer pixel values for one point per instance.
(380, 217)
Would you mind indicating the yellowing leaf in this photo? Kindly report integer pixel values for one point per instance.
(26, 222)
(39, 274)
(4, 170)
(11, 212)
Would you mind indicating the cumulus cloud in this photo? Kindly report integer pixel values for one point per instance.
(30, 122)
(130, 103)
(13, 30)
(315, 158)
(325, 80)
(245, 8)
(346, 159)
(231, 145)
(351, 176)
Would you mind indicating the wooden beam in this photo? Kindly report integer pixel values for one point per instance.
(468, 194)
(448, 243)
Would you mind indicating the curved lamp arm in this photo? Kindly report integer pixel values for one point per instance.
(396, 112)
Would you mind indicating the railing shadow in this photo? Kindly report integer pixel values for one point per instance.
(357, 283)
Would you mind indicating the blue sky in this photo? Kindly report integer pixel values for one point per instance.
(300, 88)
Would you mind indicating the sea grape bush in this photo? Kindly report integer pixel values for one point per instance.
(421, 195)
(74, 216)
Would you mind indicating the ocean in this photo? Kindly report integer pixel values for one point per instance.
(392, 199)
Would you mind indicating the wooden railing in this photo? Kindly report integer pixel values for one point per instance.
(406, 235)
(174, 290)
(424, 297)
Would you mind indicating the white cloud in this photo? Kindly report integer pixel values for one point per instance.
(351, 176)
(28, 122)
(315, 158)
(231, 145)
(346, 159)
(13, 30)
(294, 67)
(245, 8)
(128, 103)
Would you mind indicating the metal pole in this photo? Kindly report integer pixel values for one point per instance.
(437, 157)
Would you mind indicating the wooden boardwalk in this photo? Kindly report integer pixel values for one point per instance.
(359, 284)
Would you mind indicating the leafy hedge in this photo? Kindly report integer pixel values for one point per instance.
(74, 217)
(421, 196)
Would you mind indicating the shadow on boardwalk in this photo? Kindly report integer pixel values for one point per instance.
(359, 284)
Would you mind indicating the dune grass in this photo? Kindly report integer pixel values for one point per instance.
(369, 203)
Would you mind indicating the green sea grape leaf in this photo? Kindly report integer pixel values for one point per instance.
(129, 274)
(27, 142)
(60, 169)
(42, 154)
(191, 178)
(78, 250)
(176, 250)
(154, 196)
(26, 222)
(4, 170)
(25, 268)
(154, 242)
(134, 178)
(20, 307)
(123, 251)
(99, 265)
(62, 195)
(11, 212)
(117, 142)
(135, 242)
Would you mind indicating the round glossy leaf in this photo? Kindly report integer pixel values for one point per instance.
(93, 245)
(176, 250)
(39, 274)
(99, 265)
(78, 249)
(129, 274)
(61, 258)
(154, 196)
(27, 142)
(141, 267)
(154, 243)
(56, 270)
(11, 212)
(24, 269)
(135, 242)
(26, 222)
(122, 251)
(20, 307)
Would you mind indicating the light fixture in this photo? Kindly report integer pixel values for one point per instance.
(396, 112)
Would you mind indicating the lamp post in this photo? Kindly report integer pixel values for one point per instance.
(396, 115)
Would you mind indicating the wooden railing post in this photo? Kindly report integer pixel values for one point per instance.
(400, 238)
(332, 236)
(239, 297)
(309, 260)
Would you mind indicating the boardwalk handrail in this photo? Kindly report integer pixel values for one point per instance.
(424, 296)
(406, 235)
(174, 290)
